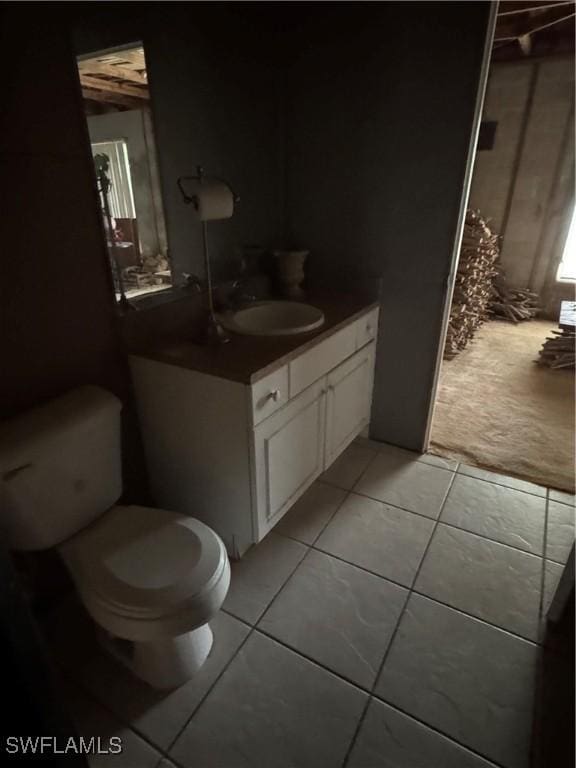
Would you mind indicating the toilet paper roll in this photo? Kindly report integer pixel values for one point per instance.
(214, 200)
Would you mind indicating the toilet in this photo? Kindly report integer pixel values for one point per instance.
(151, 579)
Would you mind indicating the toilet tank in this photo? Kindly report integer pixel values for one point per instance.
(60, 467)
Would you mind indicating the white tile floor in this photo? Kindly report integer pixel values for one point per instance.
(391, 619)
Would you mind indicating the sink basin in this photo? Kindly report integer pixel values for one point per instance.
(274, 318)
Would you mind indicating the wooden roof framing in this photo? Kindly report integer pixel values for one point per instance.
(117, 78)
(534, 28)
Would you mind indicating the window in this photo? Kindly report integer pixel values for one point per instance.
(121, 198)
(567, 268)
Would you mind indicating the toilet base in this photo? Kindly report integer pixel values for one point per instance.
(166, 663)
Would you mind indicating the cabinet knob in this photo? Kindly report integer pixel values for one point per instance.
(369, 328)
(274, 395)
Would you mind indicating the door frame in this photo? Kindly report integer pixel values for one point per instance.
(467, 183)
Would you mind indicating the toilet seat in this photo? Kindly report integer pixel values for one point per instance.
(136, 566)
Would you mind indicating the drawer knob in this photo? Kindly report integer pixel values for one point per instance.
(274, 395)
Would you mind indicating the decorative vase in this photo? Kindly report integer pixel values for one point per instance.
(290, 270)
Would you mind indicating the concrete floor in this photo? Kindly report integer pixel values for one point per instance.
(496, 409)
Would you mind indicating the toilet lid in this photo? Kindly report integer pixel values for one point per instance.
(143, 559)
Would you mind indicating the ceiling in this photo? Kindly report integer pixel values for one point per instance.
(115, 81)
(536, 28)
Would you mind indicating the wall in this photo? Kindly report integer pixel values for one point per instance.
(58, 322)
(59, 326)
(525, 183)
(136, 128)
(214, 102)
(346, 132)
(380, 106)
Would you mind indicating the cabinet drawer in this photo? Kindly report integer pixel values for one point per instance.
(367, 328)
(310, 366)
(269, 394)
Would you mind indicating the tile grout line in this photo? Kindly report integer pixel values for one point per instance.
(332, 516)
(92, 697)
(312, 660)
(371, 460)
(281, 587)
(543, 574)
(395, 632)
(309, 547)
(371, 695)
(208, 692)
(415, 457)
(165, 752)
(412, 589)
(444, 735)
(458, 471)
(486, 623)
(432, 519)
(539, 672)
(509, 487)
(405, 588)
(240, 647)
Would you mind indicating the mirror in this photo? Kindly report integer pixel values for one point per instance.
(117, 107)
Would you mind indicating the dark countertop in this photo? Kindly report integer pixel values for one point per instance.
(247, 359)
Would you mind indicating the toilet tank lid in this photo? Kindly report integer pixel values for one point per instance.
(40, 423)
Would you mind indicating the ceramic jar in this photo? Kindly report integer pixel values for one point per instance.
(290, 271)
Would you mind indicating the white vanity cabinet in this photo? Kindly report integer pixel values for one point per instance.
(238, 456)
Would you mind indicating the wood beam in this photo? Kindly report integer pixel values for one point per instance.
(95, 67)
(532, 31)
(113, 98)
(98, 84)
(530, 8)
(527, 24)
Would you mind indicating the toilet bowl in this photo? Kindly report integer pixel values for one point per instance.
(153, 578)
(150, 578)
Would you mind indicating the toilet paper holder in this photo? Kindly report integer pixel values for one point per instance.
(213, 332)
(200, 178)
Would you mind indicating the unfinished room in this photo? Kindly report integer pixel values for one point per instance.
(287, 400)
(505, 402)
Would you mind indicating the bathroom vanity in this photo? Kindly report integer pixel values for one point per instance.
(235, 434)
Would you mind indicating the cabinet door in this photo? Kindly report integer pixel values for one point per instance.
(288, 455)
(348, 401)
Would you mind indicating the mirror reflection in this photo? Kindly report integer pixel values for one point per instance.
(117, 107)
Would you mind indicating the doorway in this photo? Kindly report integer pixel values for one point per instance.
(502, 403)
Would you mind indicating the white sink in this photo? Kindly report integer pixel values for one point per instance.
(274, 318)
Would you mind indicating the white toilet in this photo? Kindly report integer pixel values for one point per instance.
(150, 578)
